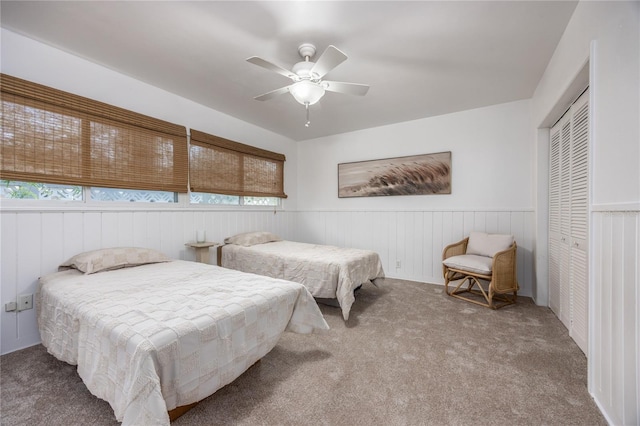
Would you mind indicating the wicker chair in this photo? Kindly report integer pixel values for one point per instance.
(479, 259)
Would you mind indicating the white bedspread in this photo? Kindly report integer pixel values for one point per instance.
(326, 271)
(151, 338)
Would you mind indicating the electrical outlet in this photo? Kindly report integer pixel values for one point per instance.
(398, 264)
(25, 301)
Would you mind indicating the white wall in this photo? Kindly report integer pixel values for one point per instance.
(492, 190)
(410, 243)
(613, 29)
(491, 151)
(607, 36)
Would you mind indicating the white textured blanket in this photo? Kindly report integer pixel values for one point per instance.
(326, 271)
(151, 338)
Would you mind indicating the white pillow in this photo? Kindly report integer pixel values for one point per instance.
(108, 259)
(252, 238)
(488, 245)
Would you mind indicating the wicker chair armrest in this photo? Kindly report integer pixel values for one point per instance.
(455, 249)
(504, 270)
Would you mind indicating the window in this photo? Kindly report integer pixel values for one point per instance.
(132, 195)
(12, 189)
(232, 200)
(261, 201)
(60, 146)
(222, 167)
(53, 136)
(216, 199)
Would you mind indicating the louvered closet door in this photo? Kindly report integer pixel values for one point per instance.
(565, 221)
(560, 219)
(568, 220)
(579, 283)
(554, 220)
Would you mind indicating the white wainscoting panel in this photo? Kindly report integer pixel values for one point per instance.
(34, 243)
(614, 350)
(414, 239)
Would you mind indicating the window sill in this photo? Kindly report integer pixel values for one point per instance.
(66, 206)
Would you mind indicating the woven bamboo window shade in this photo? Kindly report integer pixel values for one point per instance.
(221, 166)
(57, 137)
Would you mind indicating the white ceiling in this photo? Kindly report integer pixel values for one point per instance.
(421, 58)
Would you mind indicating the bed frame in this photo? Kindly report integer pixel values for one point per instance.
(179, 411)
(183, 409)
(219, 255)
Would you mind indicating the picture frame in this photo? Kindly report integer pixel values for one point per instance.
(424, 174)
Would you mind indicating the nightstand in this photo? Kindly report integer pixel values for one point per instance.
(202, 250)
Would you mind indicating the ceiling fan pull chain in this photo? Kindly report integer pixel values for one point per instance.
(306, 105)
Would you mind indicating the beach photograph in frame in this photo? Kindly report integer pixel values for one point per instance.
(412, 175)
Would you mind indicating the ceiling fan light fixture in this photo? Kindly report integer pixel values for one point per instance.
(306, 92)
(308, 87)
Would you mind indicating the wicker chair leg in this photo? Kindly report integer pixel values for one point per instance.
(472, 281)
(466, 284)
(448, 277)
(460, 284)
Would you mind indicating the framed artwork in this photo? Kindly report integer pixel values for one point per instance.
(412, 175)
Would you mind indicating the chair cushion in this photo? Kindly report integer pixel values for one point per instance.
(471, 263)
(488, 245)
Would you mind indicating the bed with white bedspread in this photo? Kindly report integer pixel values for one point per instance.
(327, 271)
(154, 337)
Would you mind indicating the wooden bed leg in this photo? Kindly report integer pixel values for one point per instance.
(219, 255)
(178, 411)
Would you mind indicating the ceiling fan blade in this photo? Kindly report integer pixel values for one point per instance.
(272, 94)
(349, 88)
(330, 58)
(271, 66)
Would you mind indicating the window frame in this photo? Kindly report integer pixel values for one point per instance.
(86, 204)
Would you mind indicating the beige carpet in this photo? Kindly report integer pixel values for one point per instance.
(409, 355)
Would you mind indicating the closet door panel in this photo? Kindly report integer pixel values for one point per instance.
(565, 289)
(560, 220)
(565, 177)
(554, 276)
(554, 220)
(569, 220)
(565, 220)
(554, 183)
(579, 329)
(579, 171)
(579, 280)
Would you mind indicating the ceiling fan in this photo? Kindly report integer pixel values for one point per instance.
(308, 86)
